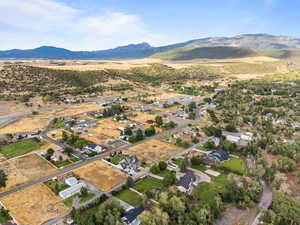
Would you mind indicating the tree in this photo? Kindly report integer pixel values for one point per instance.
(169, 179)
(196, 161)
(286, 165)
(150, 131)
(162, 165)
(83, 192)
(230, 128)
(128, 131)
(159, 121)
(209, 145)
(129, 182)
(154, 169)
(3, 178)
(50, 151)
(184, 164)
(68, 150)
(64, 136)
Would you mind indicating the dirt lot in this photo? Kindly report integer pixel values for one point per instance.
(153, 151)
(40, 121)
(101, 175)
(55, 134)
(25, 169)
(34, 205)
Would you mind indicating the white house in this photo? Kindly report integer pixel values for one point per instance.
(71, 190)
(71, 181)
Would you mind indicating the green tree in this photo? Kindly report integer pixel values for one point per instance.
(159, 121)
(169, 180)
(150, 131)
(3, 178)
(162, 165)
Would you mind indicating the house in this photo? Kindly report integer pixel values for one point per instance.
(247, 136)
(71, 181)
(59, 156)
(130, 216)
(187, 182)
(74, 189)
(233, 138)
(130, 164)
(93, 148)
(219, 155)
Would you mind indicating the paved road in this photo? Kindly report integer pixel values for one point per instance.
(11, 118)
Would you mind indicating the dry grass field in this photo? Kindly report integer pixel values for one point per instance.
(25, 169)
(40, 121)
(106, 127)
(153, 151)
(55, 134)
(101, 175)
(141, 117)
(97, 139)
(34, 205)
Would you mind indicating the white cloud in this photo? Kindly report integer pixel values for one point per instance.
(71, 28)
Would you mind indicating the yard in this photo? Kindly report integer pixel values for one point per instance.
(129, 197)
(57, 186)
(34, 205)
(25, 169)
(117, 158)
(235, 165)
(165, 172)
(20, 148)
(153, 151)
(101, 175)
(148, 184)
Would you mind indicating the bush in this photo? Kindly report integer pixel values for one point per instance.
(162, 165)
(195, 161)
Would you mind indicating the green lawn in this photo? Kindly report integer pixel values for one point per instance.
(20, 148)
(117, 158)
(57, 186)
(147, 184)
(60, 123)
(235, 165)
(202, 148)
(177, 161)
(73, 158)
(199, 167)
(69, 201)
(62, 163)
(164, 173)
(86, 198)
(129, 197)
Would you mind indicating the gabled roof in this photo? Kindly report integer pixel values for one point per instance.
(220, 155)
(132, 214)
(186, 180)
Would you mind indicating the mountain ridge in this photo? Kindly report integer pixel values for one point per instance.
(253, 42)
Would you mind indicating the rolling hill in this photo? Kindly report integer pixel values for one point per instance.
(215, 47)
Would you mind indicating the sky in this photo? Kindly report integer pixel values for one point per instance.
(104, 24)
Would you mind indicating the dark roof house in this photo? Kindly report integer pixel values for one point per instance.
(219, 155)
(186, 181)
(130, 217)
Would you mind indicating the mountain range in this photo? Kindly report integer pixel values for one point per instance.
(212, 47)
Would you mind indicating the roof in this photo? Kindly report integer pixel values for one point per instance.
(186, 180)
(132, 214)
(219, 155)
(71, 190)
(71, 181)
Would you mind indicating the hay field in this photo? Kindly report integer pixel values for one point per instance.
(101, 175)
(25, 169)
(40, 121)
(34, 205)
(153, 151)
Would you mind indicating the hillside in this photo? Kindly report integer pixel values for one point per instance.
(205, 52)
(255, 42)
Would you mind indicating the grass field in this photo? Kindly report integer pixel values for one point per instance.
(235, 165)
(86, 198)
(34, 205)
(129, 197)
(20, 148)
(153, 151)
(101, 175)
(25, 169)
(165, 173)
(147, 184)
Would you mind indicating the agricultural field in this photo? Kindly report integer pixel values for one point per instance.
(25, 169)
(37, 205)
(101, 175)
(153, 151)
(22, 147)
(40, 121)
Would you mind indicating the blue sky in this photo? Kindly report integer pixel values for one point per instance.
(102, 24)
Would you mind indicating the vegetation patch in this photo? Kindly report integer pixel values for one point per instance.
(148, 184)
(129, 197)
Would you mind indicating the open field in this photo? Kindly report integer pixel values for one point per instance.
(235, 165)
(141, 117)
(97, 139)
(34, 205)
(25, 169)
(101, 175)
(153, 150)
(148, 184)
(106, 128)
(40, 121)
(20, 148)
